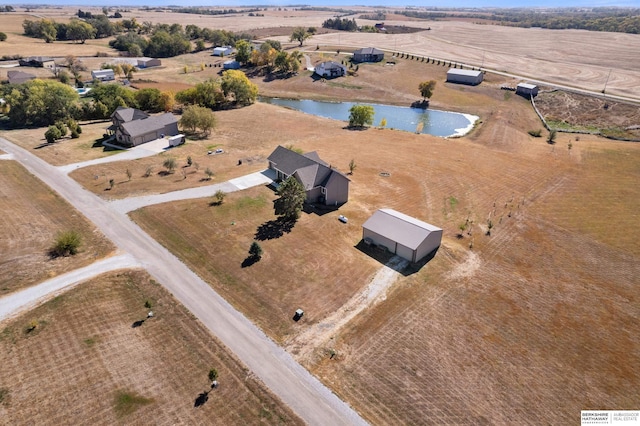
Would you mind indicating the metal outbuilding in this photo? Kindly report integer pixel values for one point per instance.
(473, 77)
(403, 235)
(526, 89)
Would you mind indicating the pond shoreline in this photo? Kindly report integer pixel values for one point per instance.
(446, 124)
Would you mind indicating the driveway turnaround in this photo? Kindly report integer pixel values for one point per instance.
(28, 298)
(294, 385)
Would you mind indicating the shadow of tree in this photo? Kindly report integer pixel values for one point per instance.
(201, 399)
(249, 261)
(274, 229)
(137, 324)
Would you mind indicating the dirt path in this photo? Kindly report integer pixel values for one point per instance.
(318, 334)
(294, 385)
(20, 301)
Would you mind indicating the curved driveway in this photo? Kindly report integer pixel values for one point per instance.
(295, 386)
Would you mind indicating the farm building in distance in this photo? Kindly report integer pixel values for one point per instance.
(368, 54)
(148, 62)
(527, 90)
(403, 235)
(37, 62)
(455, 75)
(103, 75)
(133, 127)
(322, 183)
(231, 65)
(222, 51)
(330, 69)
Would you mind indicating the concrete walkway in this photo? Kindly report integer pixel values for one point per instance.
(254, 179)
(31, 297)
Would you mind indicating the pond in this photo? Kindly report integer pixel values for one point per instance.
(432, 122)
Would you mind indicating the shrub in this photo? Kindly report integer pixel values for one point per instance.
(3, 36)
(66, 244)
(535, 133)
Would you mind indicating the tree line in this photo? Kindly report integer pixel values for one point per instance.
(47, 102)
(341, 24)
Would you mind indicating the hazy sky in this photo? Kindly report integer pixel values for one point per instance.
(343, 3)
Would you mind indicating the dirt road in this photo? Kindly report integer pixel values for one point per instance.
(309, 398)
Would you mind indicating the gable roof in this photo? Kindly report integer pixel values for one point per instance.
(18, 77)
(399, 227)
(136, 128)
(328, 65)
(310, 170)
(368, 51)
(128, 114)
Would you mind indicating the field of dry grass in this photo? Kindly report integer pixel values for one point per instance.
(529, 324)
(468, 337)
(107, 371)
(32, 217)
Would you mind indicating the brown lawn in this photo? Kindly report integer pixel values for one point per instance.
(64, 151)
(531, 323)
(492, 320)
(32, 217)
(85, 363)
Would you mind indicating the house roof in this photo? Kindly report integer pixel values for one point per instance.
(468, 73)
(330, 65)
(309, 168)
(368, 51)
(39, 59)
(17, 77)
(399, 227)
(102, 72)
(150, 124)
(128, 114)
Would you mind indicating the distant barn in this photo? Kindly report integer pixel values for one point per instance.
(527, 90)
(455, 75)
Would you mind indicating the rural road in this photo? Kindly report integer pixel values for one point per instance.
(294, 385)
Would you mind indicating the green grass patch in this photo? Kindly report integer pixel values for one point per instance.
(507, 95)
(453, 202)
(126, 403)
(90, 341)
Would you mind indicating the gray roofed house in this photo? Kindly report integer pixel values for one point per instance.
(403, 235)
(323, 184)
(19, 77)
(133, 127)
(103, 75)
(368, 54)
(330, 69)
(37, 61)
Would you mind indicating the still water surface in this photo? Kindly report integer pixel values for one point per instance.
(434, 122)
